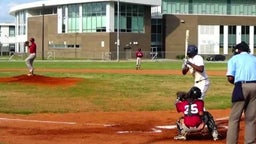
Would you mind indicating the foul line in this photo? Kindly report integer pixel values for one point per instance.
(38, 121)
(153, 130)
(104, 125)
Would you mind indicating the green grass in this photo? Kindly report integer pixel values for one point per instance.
(107, 92)
(165, 65)
(92, 65)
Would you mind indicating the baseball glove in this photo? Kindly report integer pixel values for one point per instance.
(181, 95)
(26, 43)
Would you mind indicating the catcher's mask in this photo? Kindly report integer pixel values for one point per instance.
(194, 93)
(192, 51)
(241, 47)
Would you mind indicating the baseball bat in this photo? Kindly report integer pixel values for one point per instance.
(186, 42)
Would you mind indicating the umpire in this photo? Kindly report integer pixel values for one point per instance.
(241, 72)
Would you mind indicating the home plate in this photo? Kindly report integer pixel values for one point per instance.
(167, 127)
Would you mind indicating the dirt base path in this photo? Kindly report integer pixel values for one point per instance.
(156, 127)
(101, 128)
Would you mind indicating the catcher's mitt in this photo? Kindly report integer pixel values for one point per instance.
(26, 43)
(181, 95)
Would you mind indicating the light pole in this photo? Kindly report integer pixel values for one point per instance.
(118, 31)
(75, 44)
(43, 32)
(1, 45)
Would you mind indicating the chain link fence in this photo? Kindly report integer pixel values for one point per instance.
(106, 56)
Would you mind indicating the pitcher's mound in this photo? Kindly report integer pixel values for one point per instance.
(41, 80)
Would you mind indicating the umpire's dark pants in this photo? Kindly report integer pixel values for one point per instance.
(248, 106)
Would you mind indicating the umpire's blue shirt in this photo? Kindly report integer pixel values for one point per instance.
(243, 67)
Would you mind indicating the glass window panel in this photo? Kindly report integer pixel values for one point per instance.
(129, 24)
(73, 18)
(94, 23)
(11, 31)
(141, 24)
(98, 21)
(94, 17)
(159, 37)
(234, 7)
(89, 23)
(84, 25)
(123, 22)
(103, 21)
(153, 38)
(153, 29)
(134, 10)
(169, 8)
(129, 15)
(135, 24)
(140, 9)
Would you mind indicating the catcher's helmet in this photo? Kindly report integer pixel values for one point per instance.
(192, 50)
(243, 46)
(194, 93)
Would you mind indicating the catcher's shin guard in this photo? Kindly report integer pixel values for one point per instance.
(212, 127)
(182, 129)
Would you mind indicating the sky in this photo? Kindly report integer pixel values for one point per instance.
(5, 6)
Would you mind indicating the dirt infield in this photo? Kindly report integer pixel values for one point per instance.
(101, 127)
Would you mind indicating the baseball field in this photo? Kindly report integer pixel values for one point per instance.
(85, 102)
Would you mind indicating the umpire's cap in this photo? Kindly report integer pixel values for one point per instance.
(243, 46)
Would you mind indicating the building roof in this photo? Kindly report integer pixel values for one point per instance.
(7, 24)
(39, 4)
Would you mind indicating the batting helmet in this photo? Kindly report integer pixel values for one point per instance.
(194, 93)
(192, 50)
(243, 46)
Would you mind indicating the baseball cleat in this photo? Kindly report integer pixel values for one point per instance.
(180, 137)
(29, 74)
(215, 135)
(215, 138)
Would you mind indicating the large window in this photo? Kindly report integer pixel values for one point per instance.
(213, 7)
(63, 30)
(175, 6)
(254, 35)
(231, 36)
(131, 18)
(11, 31)
(73, 18)
(94, 17)
(156, 38)
(245, 33)
(209, 7)
(238, 7)
(21, 20)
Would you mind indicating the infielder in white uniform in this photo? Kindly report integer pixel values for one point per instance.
(195, 65)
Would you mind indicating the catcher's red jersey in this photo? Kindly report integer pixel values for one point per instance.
(194, 119)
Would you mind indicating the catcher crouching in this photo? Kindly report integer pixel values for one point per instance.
(194, 117)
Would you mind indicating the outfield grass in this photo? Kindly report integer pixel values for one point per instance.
(73, 64)
(106, 92)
